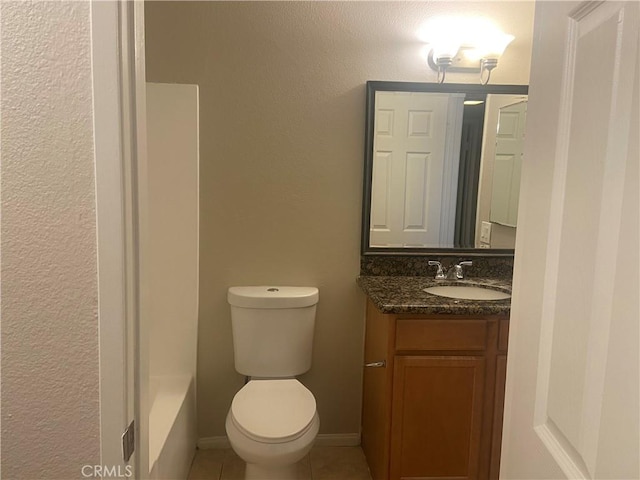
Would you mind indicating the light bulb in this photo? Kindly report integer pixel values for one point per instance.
(492, 45)
(445, 48)
(444, 35)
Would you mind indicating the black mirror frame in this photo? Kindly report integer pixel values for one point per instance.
(374, 86)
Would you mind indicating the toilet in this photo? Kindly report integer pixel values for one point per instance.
(273, 421)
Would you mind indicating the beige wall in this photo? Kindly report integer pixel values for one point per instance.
(282, 101)
(50, 377)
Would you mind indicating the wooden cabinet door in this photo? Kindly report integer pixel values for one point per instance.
(376, 393)
(436, 417)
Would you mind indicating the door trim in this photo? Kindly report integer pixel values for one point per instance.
(117, 37)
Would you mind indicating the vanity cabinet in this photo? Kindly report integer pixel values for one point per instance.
(434, 410)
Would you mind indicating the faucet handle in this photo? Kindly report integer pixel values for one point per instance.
(458, 273)
(440, 273)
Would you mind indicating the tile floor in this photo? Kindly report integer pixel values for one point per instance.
(322, 463)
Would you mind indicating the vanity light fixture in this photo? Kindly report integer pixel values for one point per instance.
(492, 45)
(463, 45)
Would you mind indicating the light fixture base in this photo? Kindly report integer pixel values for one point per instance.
(459, 63)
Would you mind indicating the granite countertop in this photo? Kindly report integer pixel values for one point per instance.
(399, 294)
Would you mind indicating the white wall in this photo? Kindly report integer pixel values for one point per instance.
(282, 92)
(50, 374)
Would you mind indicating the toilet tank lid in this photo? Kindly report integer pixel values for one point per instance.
(269, 296)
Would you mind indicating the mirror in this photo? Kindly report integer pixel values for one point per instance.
(442, 168)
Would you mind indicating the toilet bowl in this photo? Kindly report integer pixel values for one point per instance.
(271, 425)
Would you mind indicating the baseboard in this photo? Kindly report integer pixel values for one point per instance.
(322, 440)
(338, 440)
(209, 443)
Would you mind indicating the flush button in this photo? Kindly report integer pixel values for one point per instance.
(273, 289)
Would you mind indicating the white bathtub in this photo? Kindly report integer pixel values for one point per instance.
(172, 426)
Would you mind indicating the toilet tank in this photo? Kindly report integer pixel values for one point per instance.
(272, 329)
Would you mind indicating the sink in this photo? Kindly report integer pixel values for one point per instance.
(468, 292)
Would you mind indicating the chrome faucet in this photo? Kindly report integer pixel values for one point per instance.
(440, 274)
(454, 272)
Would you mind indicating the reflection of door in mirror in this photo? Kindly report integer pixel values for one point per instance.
(416, 151)
(508, 163)
(499, 184)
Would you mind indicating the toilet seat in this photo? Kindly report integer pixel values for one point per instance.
(273, 411)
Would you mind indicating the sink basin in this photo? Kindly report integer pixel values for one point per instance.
(467, 292)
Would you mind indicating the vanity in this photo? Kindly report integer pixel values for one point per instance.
(441, 181)
(434, 377)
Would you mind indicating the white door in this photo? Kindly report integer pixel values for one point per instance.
(572, 404)
(416, 152)
(508, 164)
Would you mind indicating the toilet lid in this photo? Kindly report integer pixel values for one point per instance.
(273, 411)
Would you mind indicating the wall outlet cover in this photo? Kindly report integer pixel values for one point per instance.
(485, 232)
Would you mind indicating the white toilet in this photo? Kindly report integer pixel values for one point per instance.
(273, 421)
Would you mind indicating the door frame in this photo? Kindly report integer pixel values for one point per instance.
(118, 76)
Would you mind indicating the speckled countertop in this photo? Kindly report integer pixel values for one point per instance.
(398, 294)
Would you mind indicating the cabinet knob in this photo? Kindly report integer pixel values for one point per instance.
(379, 364)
